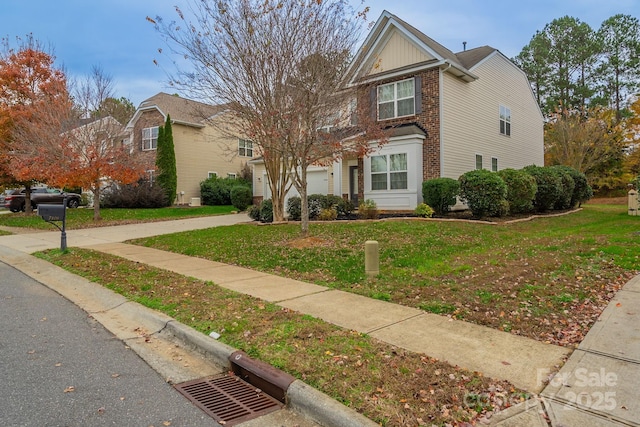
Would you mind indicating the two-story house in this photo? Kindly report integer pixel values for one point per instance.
(205, 145)
(447, 113)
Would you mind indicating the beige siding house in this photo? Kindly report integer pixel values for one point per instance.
(446, 113)
(202, 147)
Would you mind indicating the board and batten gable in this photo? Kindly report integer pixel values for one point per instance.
(471, 119)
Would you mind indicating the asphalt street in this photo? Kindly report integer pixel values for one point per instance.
(62, 368)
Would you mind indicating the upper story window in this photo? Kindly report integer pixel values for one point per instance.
(389, 172)
(396, 99)
(245, 148)
(478, 161)
(505, 120)
(150, 138)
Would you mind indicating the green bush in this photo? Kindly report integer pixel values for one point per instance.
(568, 185)
(440, 194)
(294, 208)
(484, 192)
(241, 197)
(316, 203)
(521, 190)
(217, 191)
(549, 187)
(254, 212)
(266, 211)
(368, 210)
(345, 208)
(582, 191)
(423, 210)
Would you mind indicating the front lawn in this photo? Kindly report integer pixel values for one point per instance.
(83, 217)
(546, 279)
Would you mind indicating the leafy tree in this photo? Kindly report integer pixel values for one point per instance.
(121, 109)
(35, 110)
(166, 161)
(620, 69)
(278, 67)
(590, 142)
(560, 61)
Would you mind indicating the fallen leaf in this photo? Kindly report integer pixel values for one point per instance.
(506, 363)
(70, 389)
(101, 410)
(166, 423)
(619, 304)
(57, 365)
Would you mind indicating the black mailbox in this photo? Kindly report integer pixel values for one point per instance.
(51, 212)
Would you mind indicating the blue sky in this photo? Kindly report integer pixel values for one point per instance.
(115, 35)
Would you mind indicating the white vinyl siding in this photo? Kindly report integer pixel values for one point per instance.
(396, 99)
(469, 122)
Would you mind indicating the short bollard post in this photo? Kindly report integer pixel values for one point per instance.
(633, 203)
(371, 258)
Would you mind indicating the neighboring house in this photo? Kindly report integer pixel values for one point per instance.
(447, 113)
(203, 149)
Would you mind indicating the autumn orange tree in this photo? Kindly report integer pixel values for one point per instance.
(98, 155)
(35, 109)
(277, 66)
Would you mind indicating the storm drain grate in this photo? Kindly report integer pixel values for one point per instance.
(228, 399)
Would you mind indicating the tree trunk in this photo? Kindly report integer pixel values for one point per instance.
(27, 199)
(304, 202)
(96, 203)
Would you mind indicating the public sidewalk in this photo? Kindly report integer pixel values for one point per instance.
(611, 349)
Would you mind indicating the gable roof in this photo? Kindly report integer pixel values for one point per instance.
(458, 64)
(182, 111)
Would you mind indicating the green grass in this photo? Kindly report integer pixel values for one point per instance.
(83, 217)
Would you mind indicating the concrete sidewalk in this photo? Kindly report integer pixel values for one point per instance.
(612, 348)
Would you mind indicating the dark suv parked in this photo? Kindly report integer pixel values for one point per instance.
(40, 195)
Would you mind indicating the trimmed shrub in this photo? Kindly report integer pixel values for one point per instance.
(345, 208)
(582, 191)
(328, 214)
(423, 210)
(217, 191)
(266, 211)
(316, 204)
(440, 194)
(549, 187)
(241, 197)
(294, 208)
(368, 210)
(254, 212)
(132, 196)
(484, 192)
(568, 185)
(521, 190)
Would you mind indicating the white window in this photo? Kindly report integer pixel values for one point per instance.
(478, 161)
(494, 164)
(212, 174)
(505, 120)
(389, 172)
(396, 99)
(151, 173)
(231, 175)
(150, 138)
(245, 148)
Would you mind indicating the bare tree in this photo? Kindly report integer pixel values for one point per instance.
(96, 145)
(277, 66)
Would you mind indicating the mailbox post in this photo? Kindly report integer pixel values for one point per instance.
(52, 213)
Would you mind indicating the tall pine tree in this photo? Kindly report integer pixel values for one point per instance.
(166, 162)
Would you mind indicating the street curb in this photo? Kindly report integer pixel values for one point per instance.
(300, 397)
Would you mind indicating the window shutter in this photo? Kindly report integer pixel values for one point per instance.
(373, 101)
(418, 93)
